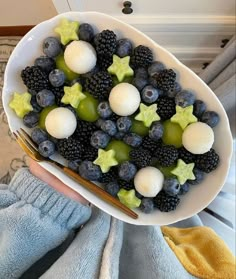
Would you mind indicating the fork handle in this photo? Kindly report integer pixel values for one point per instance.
(100, 193)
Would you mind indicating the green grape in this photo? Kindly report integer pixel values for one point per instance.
(172, 134)
(139, 128)
(60, 64)
(116, 81)
(43, 115)
(121, 149)
(87, 108)
(166, 170)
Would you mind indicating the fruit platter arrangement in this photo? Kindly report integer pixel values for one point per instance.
(119, 116)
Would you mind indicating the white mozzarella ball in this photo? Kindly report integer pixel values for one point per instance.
(80, 57)
(60, 123)
(124, 99)
(148, 181)
(198, 138)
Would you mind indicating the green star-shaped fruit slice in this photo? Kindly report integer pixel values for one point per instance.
(128, 198)
(68, 31)
(147, 114)
(184, 116)
(183, 171)
(73, 95)
(106, 160)
(120, 67)
(20, 103)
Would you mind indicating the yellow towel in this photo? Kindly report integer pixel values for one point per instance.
(201, 252)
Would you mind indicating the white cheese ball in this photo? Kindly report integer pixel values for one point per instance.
(148, 181)
(60, 123)
(198, 138)
(124, 99)
(80, 57)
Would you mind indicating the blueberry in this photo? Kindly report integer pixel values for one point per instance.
(171, 186)
(123, 124)
(112, 188)
(132, 139)
(35, 105)
(74, 165)
(45, 98)
(173, 91)
(149, 94)
(39, 135)
(156, 131)
(52, 47)
(57, 78)
(104, 110)
(199, 107)
(155, 68)
(109, 127)
(99, 122)
(47, 64)
(99, 139)
(31, 119)
(184, 189)
(90, 171)
(147, 205)
(141, 72)
(127, 171)
(184, 98)
(199, 176)
(124, 47)
(46, 148)
(86, 32)
(119, 135)
(139, 82)
(211, 118)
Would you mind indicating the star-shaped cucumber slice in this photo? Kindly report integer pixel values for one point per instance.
(128, 198)
(120, 67)
(106, 159)
(73, 95)
(68, 31)
(147, 114)
(184, 116)
(183, 171)
(20, 103)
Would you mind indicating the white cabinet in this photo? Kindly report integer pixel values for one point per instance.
(191, 30)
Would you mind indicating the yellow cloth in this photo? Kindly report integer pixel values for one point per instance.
(201, 252)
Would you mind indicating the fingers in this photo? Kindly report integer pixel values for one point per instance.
(54, 182)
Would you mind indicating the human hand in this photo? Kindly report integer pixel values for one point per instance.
(54, 182)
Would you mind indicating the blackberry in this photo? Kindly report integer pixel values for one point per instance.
(84, 131)
(140, 157)
(127, 185)
(90, 153)
(71, 149)
(208, 161)
(105, 42)
(165, 202)
(166, 80)
(150, 144)
(165, 107)
(142, 57)
(109, 176)
(186, 156)
(166, 155)
(59, 93)
(34, 78)
(99, 85)
(104, 62)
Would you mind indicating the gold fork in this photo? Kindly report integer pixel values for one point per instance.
(27, 144)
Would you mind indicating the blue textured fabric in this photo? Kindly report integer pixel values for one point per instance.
(34, 219)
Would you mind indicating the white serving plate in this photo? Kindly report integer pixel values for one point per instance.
(199, 196)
